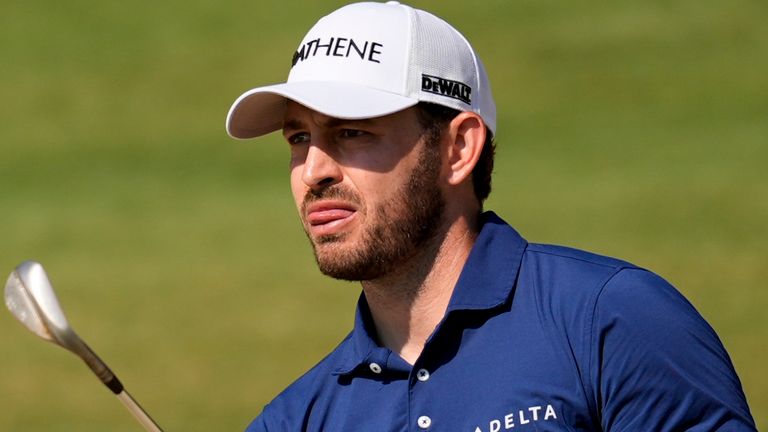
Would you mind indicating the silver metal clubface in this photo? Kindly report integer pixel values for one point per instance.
(30, 298)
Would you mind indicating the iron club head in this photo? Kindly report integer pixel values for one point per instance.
(31, 299)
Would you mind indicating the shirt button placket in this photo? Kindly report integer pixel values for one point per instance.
(424, 422)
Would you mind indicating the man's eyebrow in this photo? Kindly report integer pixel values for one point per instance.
(292, 124)
(330, 122)
(336, 122)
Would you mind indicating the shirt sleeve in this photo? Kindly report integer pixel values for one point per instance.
(657, 365)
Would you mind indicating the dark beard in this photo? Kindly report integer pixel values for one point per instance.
(401, 228)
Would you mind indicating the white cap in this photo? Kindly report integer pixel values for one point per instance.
(368, 60)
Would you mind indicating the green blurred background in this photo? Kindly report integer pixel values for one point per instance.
(636, 129)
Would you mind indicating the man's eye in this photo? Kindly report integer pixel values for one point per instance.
(298, 138)
(351, 133)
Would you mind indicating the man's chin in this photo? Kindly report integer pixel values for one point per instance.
(349, 273)
(336, 267)
(339, 261)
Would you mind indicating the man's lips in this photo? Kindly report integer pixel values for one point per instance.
(328, 217)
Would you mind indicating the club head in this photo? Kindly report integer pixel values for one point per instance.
(31, 299)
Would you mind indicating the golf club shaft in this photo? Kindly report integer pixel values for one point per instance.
(110, 380)
(138, 412)
(94, 362)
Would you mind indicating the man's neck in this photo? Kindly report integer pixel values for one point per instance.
(408, 305)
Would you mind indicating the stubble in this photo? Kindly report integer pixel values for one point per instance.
(394, 232)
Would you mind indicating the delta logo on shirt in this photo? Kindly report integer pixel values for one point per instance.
(520, 418)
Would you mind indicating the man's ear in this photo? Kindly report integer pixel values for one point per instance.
(466, 134)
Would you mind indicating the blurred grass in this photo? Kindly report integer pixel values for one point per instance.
(634, 129)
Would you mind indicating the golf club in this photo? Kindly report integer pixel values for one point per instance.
(30, 298)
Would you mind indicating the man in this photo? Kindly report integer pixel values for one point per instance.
(462, 325)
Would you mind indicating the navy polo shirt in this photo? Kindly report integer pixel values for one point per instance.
(535, 338)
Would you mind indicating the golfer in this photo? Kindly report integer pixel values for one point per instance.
(462, 325)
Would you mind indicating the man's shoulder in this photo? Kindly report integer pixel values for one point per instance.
(497, 238)
(570, 270)
(577, 284)
(560, 275)
(576, 257)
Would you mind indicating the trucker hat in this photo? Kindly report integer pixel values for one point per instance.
(368, 60)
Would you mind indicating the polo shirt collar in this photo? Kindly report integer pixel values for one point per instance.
(489, 275)
(486, 281)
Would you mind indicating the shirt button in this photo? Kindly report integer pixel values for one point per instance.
(424, 422)
(375, 368)
(422, 375)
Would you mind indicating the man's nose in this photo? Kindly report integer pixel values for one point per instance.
(321, 170)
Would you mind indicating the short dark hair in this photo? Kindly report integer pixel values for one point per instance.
(434, 119)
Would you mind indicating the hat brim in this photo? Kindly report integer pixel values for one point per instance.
(261, 110)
